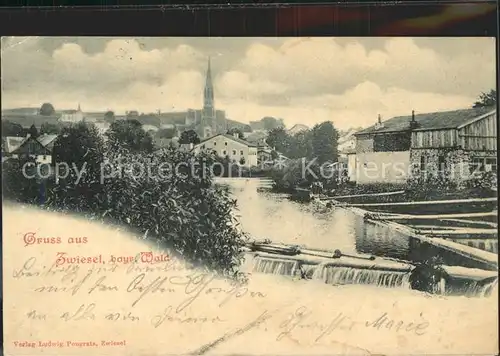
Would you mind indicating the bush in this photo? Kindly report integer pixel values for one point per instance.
(185, 211)
(483, 180)
(16, 186)
(429, 186)
(295, 175)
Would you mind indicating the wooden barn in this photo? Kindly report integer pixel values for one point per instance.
(452, 145)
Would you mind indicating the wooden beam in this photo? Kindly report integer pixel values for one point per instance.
(459, 232)
(475, 222)
(430, 202)
(382, 216)
(432, 227)
(477, 136)
(364, 195)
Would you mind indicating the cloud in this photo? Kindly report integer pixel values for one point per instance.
(359, 106)
(311, 64)
(303, 80)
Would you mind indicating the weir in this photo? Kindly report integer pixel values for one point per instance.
(344, 270)
(385, 273)
(336, 275)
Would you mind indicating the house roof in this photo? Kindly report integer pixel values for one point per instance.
(256, 136)
(12, 143)
(430, 121)
(230, 137)
(298, 128)
(45, 140)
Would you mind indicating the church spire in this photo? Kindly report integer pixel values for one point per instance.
(208, 97)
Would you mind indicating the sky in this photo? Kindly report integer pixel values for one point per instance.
(348, 81)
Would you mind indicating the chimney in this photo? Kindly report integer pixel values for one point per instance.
(413, 123)
(379, 123)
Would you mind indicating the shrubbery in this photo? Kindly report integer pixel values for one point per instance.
(483, 180)
(184, 210)
(299, 174)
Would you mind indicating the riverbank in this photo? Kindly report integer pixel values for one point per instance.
(409, 193)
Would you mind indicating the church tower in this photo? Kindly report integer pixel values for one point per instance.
(208, 120)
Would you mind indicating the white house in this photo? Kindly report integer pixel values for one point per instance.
(232, 146)
(72, 115)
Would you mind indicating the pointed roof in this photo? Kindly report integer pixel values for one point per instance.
(230, 137)
(208, 80)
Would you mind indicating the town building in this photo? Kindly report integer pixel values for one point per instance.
(347, 143)
(72, 115)
(231, 146)
(450, 145)
(38, 148)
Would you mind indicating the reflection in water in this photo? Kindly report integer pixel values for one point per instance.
(267, 215)
(381, 241)
(274, 217)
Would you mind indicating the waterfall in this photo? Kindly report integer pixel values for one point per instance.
(347, 275)
(276, 266)
(474, 289)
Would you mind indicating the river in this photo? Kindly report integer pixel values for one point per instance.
(265, 215)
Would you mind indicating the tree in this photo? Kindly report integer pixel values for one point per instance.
(280, 140)
(109, 116)
(81, 147)
(130, 135)
(33, 131)
(12, 129)
(486, 99)
(49, 128)
(189, 136)
(166, 133)
(325, 142)
(271, 123)
(247, 128)
(236, 130)
(47, 109)
(302, 146)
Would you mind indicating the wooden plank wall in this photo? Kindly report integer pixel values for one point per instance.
(480, 135)
(433, 139)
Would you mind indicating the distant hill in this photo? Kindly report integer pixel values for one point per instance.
(28, 120)
(21, 111)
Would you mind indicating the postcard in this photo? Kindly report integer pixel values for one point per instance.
(266, 196)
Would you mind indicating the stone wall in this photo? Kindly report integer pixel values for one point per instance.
(455, 168)
(364, 144)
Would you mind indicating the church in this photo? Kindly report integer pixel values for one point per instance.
(206, 122)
